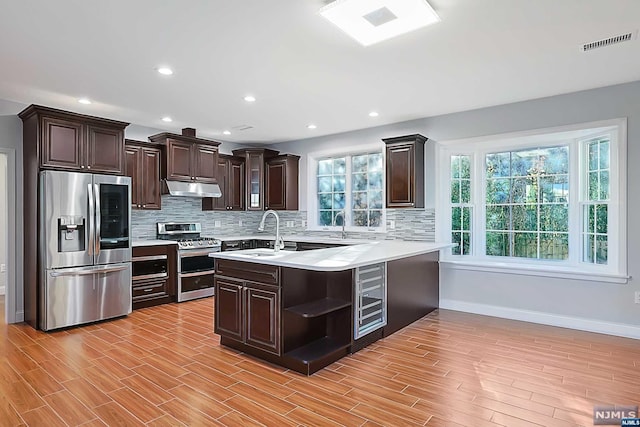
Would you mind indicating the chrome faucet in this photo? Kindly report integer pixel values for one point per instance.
(341, 213)
(279, 243)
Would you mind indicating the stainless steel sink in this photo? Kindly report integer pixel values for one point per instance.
(255, 253)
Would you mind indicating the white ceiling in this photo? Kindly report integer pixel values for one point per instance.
(300, 68)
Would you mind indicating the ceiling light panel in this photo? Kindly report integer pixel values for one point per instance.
(166, 71)
(372, 21)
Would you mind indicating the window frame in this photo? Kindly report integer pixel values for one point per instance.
(312, 188)
(576, 136)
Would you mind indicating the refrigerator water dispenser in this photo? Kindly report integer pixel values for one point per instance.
(71, 232)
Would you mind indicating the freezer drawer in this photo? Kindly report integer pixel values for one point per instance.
(74, 296)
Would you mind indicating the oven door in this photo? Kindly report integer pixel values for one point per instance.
(195, 278)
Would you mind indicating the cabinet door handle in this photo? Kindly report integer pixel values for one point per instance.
(81, 166)
(144, 206)
(88, 167)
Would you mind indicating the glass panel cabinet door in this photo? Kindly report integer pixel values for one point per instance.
(371, 299)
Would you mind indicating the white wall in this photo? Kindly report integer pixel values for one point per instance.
(583, 305)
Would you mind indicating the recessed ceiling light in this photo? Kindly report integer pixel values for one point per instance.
(167, 119)
(165, 71)
(373, 114)
(371, 22)
(311, 126)
(250, 98)
(85, 101)
(226, 132)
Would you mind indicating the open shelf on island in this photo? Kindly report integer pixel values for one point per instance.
(317, 349)
(319, 307)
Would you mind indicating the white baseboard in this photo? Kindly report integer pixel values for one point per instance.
(19, 316)
(581, 324)
(2, 290)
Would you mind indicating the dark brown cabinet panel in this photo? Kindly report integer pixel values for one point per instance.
(62, 142)
(236, 182)
(281, 176)
(188, 158)
(229, 308)
(205, 163)
(231, 180)
(143, 166)
(105, 149)
(179, 160)
(150, 174)
(132, 170)
(405, 171)
(262, 317)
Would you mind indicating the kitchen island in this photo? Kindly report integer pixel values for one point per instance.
(305, 310)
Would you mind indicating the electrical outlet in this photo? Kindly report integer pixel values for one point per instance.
(290, 224)
(392, 224)
(637, 297)
(240, 223)
(304, 222)
(217, 224)
(3, 268)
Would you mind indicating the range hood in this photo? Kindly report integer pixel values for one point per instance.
(193, 189)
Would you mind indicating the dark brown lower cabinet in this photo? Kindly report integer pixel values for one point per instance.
(154, 279)
(247, 311)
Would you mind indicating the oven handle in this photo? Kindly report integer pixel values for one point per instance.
(148, 258)
(197, 273)
(150, 276)
(188, 254)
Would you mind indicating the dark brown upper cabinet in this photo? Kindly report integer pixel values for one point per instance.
(281, 176)
(75, 142)
(405, 171)
(143, 166)
(188, 158)
(231, 178)
(254, 160)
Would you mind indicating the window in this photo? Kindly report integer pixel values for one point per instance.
(461, 204)
(353, 183)
(526, 203)
(553, 201)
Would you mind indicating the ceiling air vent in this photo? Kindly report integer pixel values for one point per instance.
(608, 42)
(242, 127)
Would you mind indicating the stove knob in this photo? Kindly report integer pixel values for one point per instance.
(200, 242)
(210, 241)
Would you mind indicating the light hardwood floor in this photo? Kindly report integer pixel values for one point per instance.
(163, 366)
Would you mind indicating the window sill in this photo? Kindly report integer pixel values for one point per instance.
(529, 270)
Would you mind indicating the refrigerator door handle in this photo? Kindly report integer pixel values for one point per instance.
(92, 215)
(101, 270)
(98, 225)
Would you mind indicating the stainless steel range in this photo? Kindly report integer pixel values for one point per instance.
(195, 267)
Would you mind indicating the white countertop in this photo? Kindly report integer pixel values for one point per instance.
(153, 243)
(336, 259)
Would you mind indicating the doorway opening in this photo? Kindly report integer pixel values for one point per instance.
(4, 235)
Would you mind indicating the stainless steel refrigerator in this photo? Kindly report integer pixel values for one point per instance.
(85, 248)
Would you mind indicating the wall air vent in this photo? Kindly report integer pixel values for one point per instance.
(609, 41)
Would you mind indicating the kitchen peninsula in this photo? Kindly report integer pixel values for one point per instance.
(306, 309)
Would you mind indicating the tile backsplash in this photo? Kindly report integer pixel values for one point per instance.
(409, 224)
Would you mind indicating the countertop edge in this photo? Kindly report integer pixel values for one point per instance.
(297, 259)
